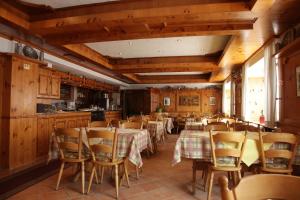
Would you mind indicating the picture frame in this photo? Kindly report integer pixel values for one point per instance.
(298, 80)
(212, 101)
(167, 101)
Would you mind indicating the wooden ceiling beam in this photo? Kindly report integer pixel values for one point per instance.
(133, 78)
(160, 79)
(166, 64)
(169, 31)
(123, 10)
(14, 16)
(89, 54)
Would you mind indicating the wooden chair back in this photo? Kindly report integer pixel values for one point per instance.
(211, 120)
(239, 126)
(135, 118)
(286, 155)
(262, 186)
(217, 127)
(133, 125)
(107, 149)
(98, 124)
(69, 141)
(223, 139)
(115, 123)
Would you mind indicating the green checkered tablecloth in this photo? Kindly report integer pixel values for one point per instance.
(195, 144)
(131, 142)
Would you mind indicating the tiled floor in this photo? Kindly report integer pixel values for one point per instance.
(159, 181)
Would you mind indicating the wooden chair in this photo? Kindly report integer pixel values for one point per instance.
(217, 127)
(204, 164)
(262, 186)
(105, 155)
(220, 154)
(115, 123)
(278, 159)
(98, 124)
(211, 120)
(69, 143)
(239, 126)
(133, 125)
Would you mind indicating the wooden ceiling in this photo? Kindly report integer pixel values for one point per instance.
(249, 23)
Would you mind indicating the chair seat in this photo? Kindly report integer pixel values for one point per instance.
(73, 157)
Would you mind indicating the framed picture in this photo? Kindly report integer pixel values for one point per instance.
(189, 100)
(167, 101)
(212, 101)
(298, 80)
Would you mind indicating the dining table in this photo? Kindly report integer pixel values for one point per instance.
(130, 143)
(195, 144)
(196, 125)
(156, 129)
(169, 125)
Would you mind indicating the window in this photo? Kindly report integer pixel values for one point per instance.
(227, 98)
(255, 91)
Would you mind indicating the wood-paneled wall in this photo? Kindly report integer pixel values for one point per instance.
(290, 106)
(147, 100)
(204, 95)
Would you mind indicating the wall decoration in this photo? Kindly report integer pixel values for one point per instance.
(189, 100)
(212, 101)
(167, 101)
(298, 80)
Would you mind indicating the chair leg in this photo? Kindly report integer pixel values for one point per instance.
(60, 174)
(194, 178)
(102, 174)
(126, 173)
(239, 176)
(137, 172)
(91, 178)
(211, 180)
(117, 180)
(205, 177)
(96, 177)
(82, 177)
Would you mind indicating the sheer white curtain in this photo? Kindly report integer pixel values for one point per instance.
(270, 83)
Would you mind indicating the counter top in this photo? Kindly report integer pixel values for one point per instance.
(63, 114)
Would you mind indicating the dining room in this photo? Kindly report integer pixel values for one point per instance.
(150, 99)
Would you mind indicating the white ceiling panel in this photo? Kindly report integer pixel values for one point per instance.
(65, 3)
(161, 47)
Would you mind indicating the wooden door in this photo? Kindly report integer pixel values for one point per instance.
(55, 87)
(42, 136)
(44, 81)
(23, 142)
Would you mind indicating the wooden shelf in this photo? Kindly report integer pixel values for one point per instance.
(288, 49)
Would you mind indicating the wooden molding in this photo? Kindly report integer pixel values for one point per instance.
(159, 79)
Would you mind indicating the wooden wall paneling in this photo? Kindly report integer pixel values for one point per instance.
(42, 136)
(2, 62)
(170, 94)
(208, 109)
(188, 93)
(155, 99)
(290, 117)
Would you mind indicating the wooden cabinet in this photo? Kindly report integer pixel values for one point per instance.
(23, 142)
(49, 84)
(45, 127)
(18, 137)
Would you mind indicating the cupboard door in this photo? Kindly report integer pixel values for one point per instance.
(85, 122)
(72, 123)
(55, 87)
(29, 85)
(43, 89)
(42, 136)
(60, 123)
(23, 142)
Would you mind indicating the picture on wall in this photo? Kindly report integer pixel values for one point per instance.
(212, 101)
(167, 101)
(298, 80)
(189, 100)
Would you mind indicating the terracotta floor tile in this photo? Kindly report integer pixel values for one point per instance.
(158, 181)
